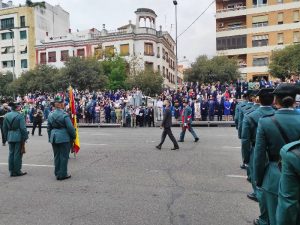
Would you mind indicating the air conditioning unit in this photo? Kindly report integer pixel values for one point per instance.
(221, 25)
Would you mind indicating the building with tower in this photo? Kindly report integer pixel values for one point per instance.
(251, 29)
(152, 48)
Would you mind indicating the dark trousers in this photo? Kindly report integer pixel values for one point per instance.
(14, 158)
(61, 156)
(190, 129)
(151, 122)
(220, 117)
(2, 134)
(168, 131)
(211, 117)
(35, 124)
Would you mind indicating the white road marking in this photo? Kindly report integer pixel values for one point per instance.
(31, 165)
(93, 144)
(231, 147)
(237, 176)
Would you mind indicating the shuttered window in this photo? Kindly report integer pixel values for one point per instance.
(124, 50)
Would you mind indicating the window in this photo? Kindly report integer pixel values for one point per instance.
(23, 34)
(279, 1)
(8, 64)
(24, 64)
(260, 21)
(149, 66)
(109, 51)
(64, 55)
(261, 61)
(164, 72)
(7, 35)
(148, 49)
(233, 42)
(51, 56)
(158, 52)
(260, 40)
(280, 38)
(98, 52)
(7, 23)
(296, 16)
(258, 3)
(124, 50)
(22, 21)
(43, 58)
(280, 18)
(296, 36)
(80, 52)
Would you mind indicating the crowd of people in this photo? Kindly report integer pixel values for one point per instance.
(132, 108)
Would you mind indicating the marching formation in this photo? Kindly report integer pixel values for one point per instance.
(269, 128)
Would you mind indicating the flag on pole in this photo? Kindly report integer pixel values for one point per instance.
(76, 144)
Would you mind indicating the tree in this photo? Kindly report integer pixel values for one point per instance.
(83, 73)
(41, 78)
(285, 62)
(115, 68)
(5, 80)
(148, 81)
(219, 68)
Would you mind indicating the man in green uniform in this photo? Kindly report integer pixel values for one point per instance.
(288, 210)
(237, 110)
(244, 109)
(15, 132)
(250, 123)
(273, 132)
(3, 110)
(187, 122)
(61, 134)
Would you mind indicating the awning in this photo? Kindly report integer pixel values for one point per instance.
(260, 19)
(23, 48)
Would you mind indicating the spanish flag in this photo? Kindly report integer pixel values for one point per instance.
(76, 144)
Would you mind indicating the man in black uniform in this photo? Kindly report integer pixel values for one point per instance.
(167, 124)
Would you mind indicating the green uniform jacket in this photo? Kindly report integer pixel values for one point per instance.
(187, 112)
(288, 210)
(269, 142)
(242, 112)
(237, 113)
(14, 127)
(250, 123)
(60, 128)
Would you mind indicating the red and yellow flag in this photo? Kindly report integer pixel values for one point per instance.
(76, 144)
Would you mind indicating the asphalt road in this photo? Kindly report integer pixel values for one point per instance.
(119, 178)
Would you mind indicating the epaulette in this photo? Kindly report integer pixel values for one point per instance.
(294, 148)
(270, 115)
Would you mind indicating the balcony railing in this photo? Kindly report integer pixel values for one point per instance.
(231, 28)
(231, 9)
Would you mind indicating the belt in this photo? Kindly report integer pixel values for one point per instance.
(274, 158)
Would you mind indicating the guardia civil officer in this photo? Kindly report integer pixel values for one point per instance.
(288, 209)
(187, 122)
(3, 110)
(273, 132)
(250, 97)
(250, 122)
(166, 125)
(15, 132)
(237, 110)
(61, 134)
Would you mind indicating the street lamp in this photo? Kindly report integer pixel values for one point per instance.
(176, 40)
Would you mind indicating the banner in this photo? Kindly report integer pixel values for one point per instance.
(76, 144)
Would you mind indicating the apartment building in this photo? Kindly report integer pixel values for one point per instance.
(21, 28)
(250, 30)
(140, 42)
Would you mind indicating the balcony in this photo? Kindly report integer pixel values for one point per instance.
(227, 12)
(231, 9)
(220, 29)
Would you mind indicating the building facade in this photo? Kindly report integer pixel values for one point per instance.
(140, 43)
(251, 29)
(23, 27)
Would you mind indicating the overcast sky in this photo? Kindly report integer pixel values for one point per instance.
(199, 39)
